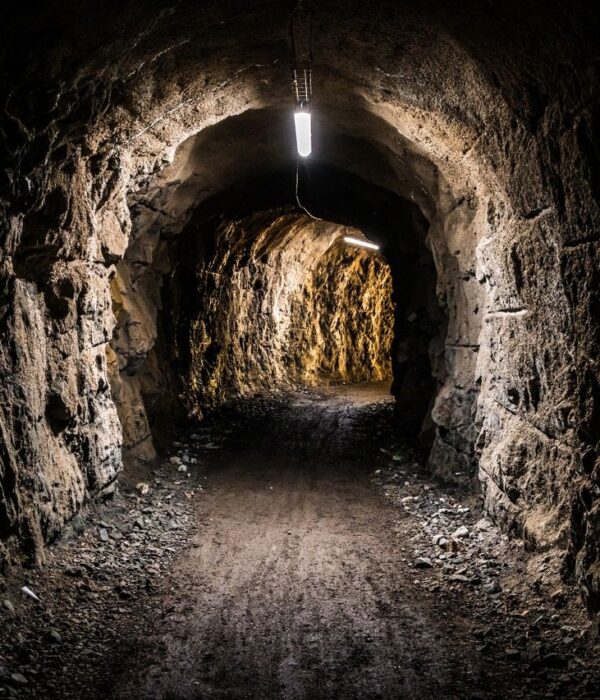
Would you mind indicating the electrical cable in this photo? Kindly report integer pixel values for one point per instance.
(298, 202)
(301, 79)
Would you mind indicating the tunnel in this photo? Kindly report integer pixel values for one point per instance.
(288, 424)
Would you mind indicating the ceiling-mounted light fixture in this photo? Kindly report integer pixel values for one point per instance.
(362, 242)
(303, 133)
(302, 79)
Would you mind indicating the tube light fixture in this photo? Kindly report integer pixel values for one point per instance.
(361, 242)
(300, 64)
(303, 133)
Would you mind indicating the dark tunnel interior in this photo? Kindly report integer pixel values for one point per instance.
(291, 424)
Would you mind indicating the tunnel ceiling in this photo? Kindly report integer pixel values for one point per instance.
(151, 75)
(261, 142)
(329, 193)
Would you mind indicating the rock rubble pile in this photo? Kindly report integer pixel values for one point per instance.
(98, 579)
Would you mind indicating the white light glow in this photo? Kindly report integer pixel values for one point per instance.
(361, 242)
(303, 137)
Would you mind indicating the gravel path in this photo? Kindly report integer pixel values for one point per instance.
(312, 558)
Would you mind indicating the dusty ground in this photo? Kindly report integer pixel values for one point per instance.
(300, 553)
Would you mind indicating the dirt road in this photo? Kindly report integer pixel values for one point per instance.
(293, 548)
(295, 586)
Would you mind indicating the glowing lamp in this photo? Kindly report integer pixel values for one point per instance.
(361, 242)
(303, 137)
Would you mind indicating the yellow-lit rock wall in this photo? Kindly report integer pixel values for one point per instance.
(282, 302)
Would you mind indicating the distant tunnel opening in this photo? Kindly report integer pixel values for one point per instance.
(278, 300)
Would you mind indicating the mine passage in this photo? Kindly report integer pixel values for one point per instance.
(299, 381)
(283, 301)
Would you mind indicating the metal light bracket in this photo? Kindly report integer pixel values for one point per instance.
(302, 84)
(301, 21)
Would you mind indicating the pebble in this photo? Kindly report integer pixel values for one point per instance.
(461, 532)
(439, 540)
(78, 523)
(492, 587)
(18, 678)
(103, 532)
(554, 660)
(8, 605)
(423, 563)
(30, 594)
(483, 524)
(54, 636)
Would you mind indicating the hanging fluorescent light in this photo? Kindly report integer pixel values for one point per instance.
(361, 242)
(300, 65)
(303, 134)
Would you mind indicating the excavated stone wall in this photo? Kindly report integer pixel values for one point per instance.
(283, 302)
(60, 435)
(484, 115)
(152, 356)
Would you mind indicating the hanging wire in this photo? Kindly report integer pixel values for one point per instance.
(301, 71)
(298, 202)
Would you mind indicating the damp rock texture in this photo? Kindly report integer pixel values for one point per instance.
(60, 435)
(116, 127)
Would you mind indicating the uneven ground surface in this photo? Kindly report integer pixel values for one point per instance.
(291, 549)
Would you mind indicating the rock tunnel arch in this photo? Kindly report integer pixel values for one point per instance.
(258, 143)
(501, 157)
(276, 250)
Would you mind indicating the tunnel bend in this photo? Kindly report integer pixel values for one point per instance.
(241, 250)
(497, 139)
(367, 154)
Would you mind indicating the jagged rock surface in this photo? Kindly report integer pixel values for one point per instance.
(282, 302)
(484, 116)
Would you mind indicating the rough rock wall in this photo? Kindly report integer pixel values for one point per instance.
(420, 329)
(136, 374)
(538, 404)
(281, 301)
(59, 429)
(455, 351)
(351, 319)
